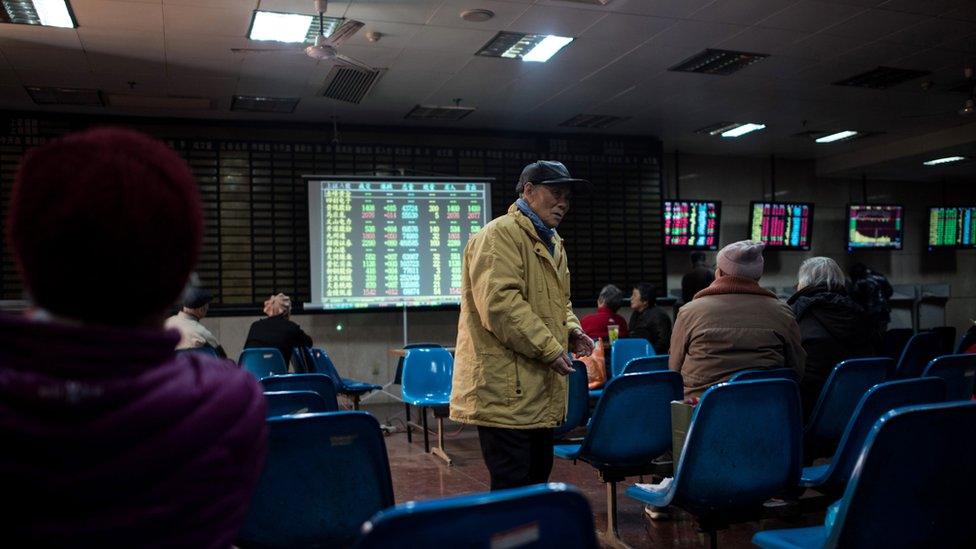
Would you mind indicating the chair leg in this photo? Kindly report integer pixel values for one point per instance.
(355, 401)
(409, 430)
(712, 539)
(439, 449)
(611, 537)
(423, 412)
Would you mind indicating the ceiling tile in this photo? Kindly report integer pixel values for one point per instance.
(153, 83)
(433, 61)
(698, 34)
(41, 58)
(118, 15)
(397, 11)
(68, 79)
(933, 32)
(35, 35)
(400, 90)
(393, 35)
(926, 7)
(447, 39)
(822, 47)
(200, 85)
(449, 14)
(967, 12)
(657, 8)
(207, 20)
(810, 16)
(103, 63)
(138, 44)
(873, 24)
(626, 30)
(274, 87)
(967, 44)
(740, 12)
(875, 54)
(763, 40)
(555, 20)
(933, 59)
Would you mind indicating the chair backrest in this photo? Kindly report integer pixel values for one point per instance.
(967, 340)
(774, 373)
(427, 373)
(324, 476)
(398, 375)
(263, 362)
(959, 373)
(625, 349)
(318, 383)
(544, 515)
(897, 497)
(947, 338)
(894, 341)
(287, 403)
(642, 364)
(878, 401)
(204, 350)
(843, 389)
(743, 447)
(921, 348)
(631, 424)
(578, 400)
(301, 360)
(322, 364)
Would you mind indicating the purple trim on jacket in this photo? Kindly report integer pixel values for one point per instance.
(111, 439)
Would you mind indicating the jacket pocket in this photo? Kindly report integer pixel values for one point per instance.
(501, 385)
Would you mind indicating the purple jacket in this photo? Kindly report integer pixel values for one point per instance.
(107, 438)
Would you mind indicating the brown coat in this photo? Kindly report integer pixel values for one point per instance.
(730, 326)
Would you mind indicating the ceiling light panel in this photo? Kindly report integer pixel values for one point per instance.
(881, 78)
(47, 95)
(838, 136)
(251, 103)
(595, 121)
(743, 129)
(289, 27)
(527, 47)
(49, 13)
(434, 112)
(720, 62)
(944, 160)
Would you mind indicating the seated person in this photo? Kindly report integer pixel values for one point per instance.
(832, 326)
(193, 334)
(277, 331)
(607, 305)
(111, 438)
(733, 325)
(648, 320)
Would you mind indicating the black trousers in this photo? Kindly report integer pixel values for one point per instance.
(516, 457)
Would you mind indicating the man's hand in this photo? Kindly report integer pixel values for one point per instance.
(580, 343)
(562, 365)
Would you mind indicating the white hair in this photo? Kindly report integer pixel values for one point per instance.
(821, 271)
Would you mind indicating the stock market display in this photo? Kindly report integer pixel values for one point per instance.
(952, 227)
(391, 243)
(690, 224)
(782, 225)
(874, 226)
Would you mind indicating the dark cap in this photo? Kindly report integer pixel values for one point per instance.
(550, 172)
(196, 297)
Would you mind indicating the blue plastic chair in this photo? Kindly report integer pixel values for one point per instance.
(967, 340)
(287, 403)
(656, 363)
(894, 341)
(318, 383)
(624, 350)
(743, 447)
(348, 387)
(630, 427)
(324, 476)
(843, 389)
(578, 401)
(544, 515)
(262, 362)
(921, 348)
(774, 373)
(427, 373)
(959, 373)
(896, 498)
(398, 375)
(831, 479)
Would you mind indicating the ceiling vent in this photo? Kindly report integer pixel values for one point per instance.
(65, 96)
(434, 112)
(163, 102)
(721, 62)
(882, 78)
(264, 104)
(349, 85)
(594, 121)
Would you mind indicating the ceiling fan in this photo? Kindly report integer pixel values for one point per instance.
(324, 47)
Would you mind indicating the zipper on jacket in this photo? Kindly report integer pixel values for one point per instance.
(518, 382)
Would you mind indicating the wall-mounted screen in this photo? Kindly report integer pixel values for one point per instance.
(952, 227)
(691, 224)
(782, 225)
(390, 242)
(875, 226)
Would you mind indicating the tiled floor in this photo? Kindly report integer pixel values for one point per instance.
(418, 476)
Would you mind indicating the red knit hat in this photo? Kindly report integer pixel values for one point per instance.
(105, 216)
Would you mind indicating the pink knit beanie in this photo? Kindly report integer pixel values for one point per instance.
(743, 258)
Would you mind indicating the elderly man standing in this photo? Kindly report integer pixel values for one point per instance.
(515, 330)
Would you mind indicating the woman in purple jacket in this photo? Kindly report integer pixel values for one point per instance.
(110, 438)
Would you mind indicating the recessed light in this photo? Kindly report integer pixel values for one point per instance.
(48, 13)
(836, 136)
(743, 129)
(477, 15)
(527, 47)
(944, 160)
(289, 27)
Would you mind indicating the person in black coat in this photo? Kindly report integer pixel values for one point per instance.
(277, 331)
(648, 320)
(833, 327)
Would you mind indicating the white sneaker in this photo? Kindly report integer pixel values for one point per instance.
(657, 513)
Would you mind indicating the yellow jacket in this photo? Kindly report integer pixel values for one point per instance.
(515, 320)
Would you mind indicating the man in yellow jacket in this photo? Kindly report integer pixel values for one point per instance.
(515, 329)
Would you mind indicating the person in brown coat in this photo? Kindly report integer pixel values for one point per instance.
(734, 325)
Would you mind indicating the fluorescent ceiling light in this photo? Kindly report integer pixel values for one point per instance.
(54, 13)
(546, 49)
(743, 129)
(280, 27)
(836, 136)
(945, 160)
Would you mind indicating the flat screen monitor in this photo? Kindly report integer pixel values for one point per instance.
(391, 242)
(875, 226)
(952, 227)
(782, 225)
(691, 224)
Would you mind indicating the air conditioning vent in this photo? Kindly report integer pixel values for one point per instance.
(882, 78)
(595, 121)
(65, 96)
(434, 112)
(720, 62)
(264, 104)
(349, 85)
